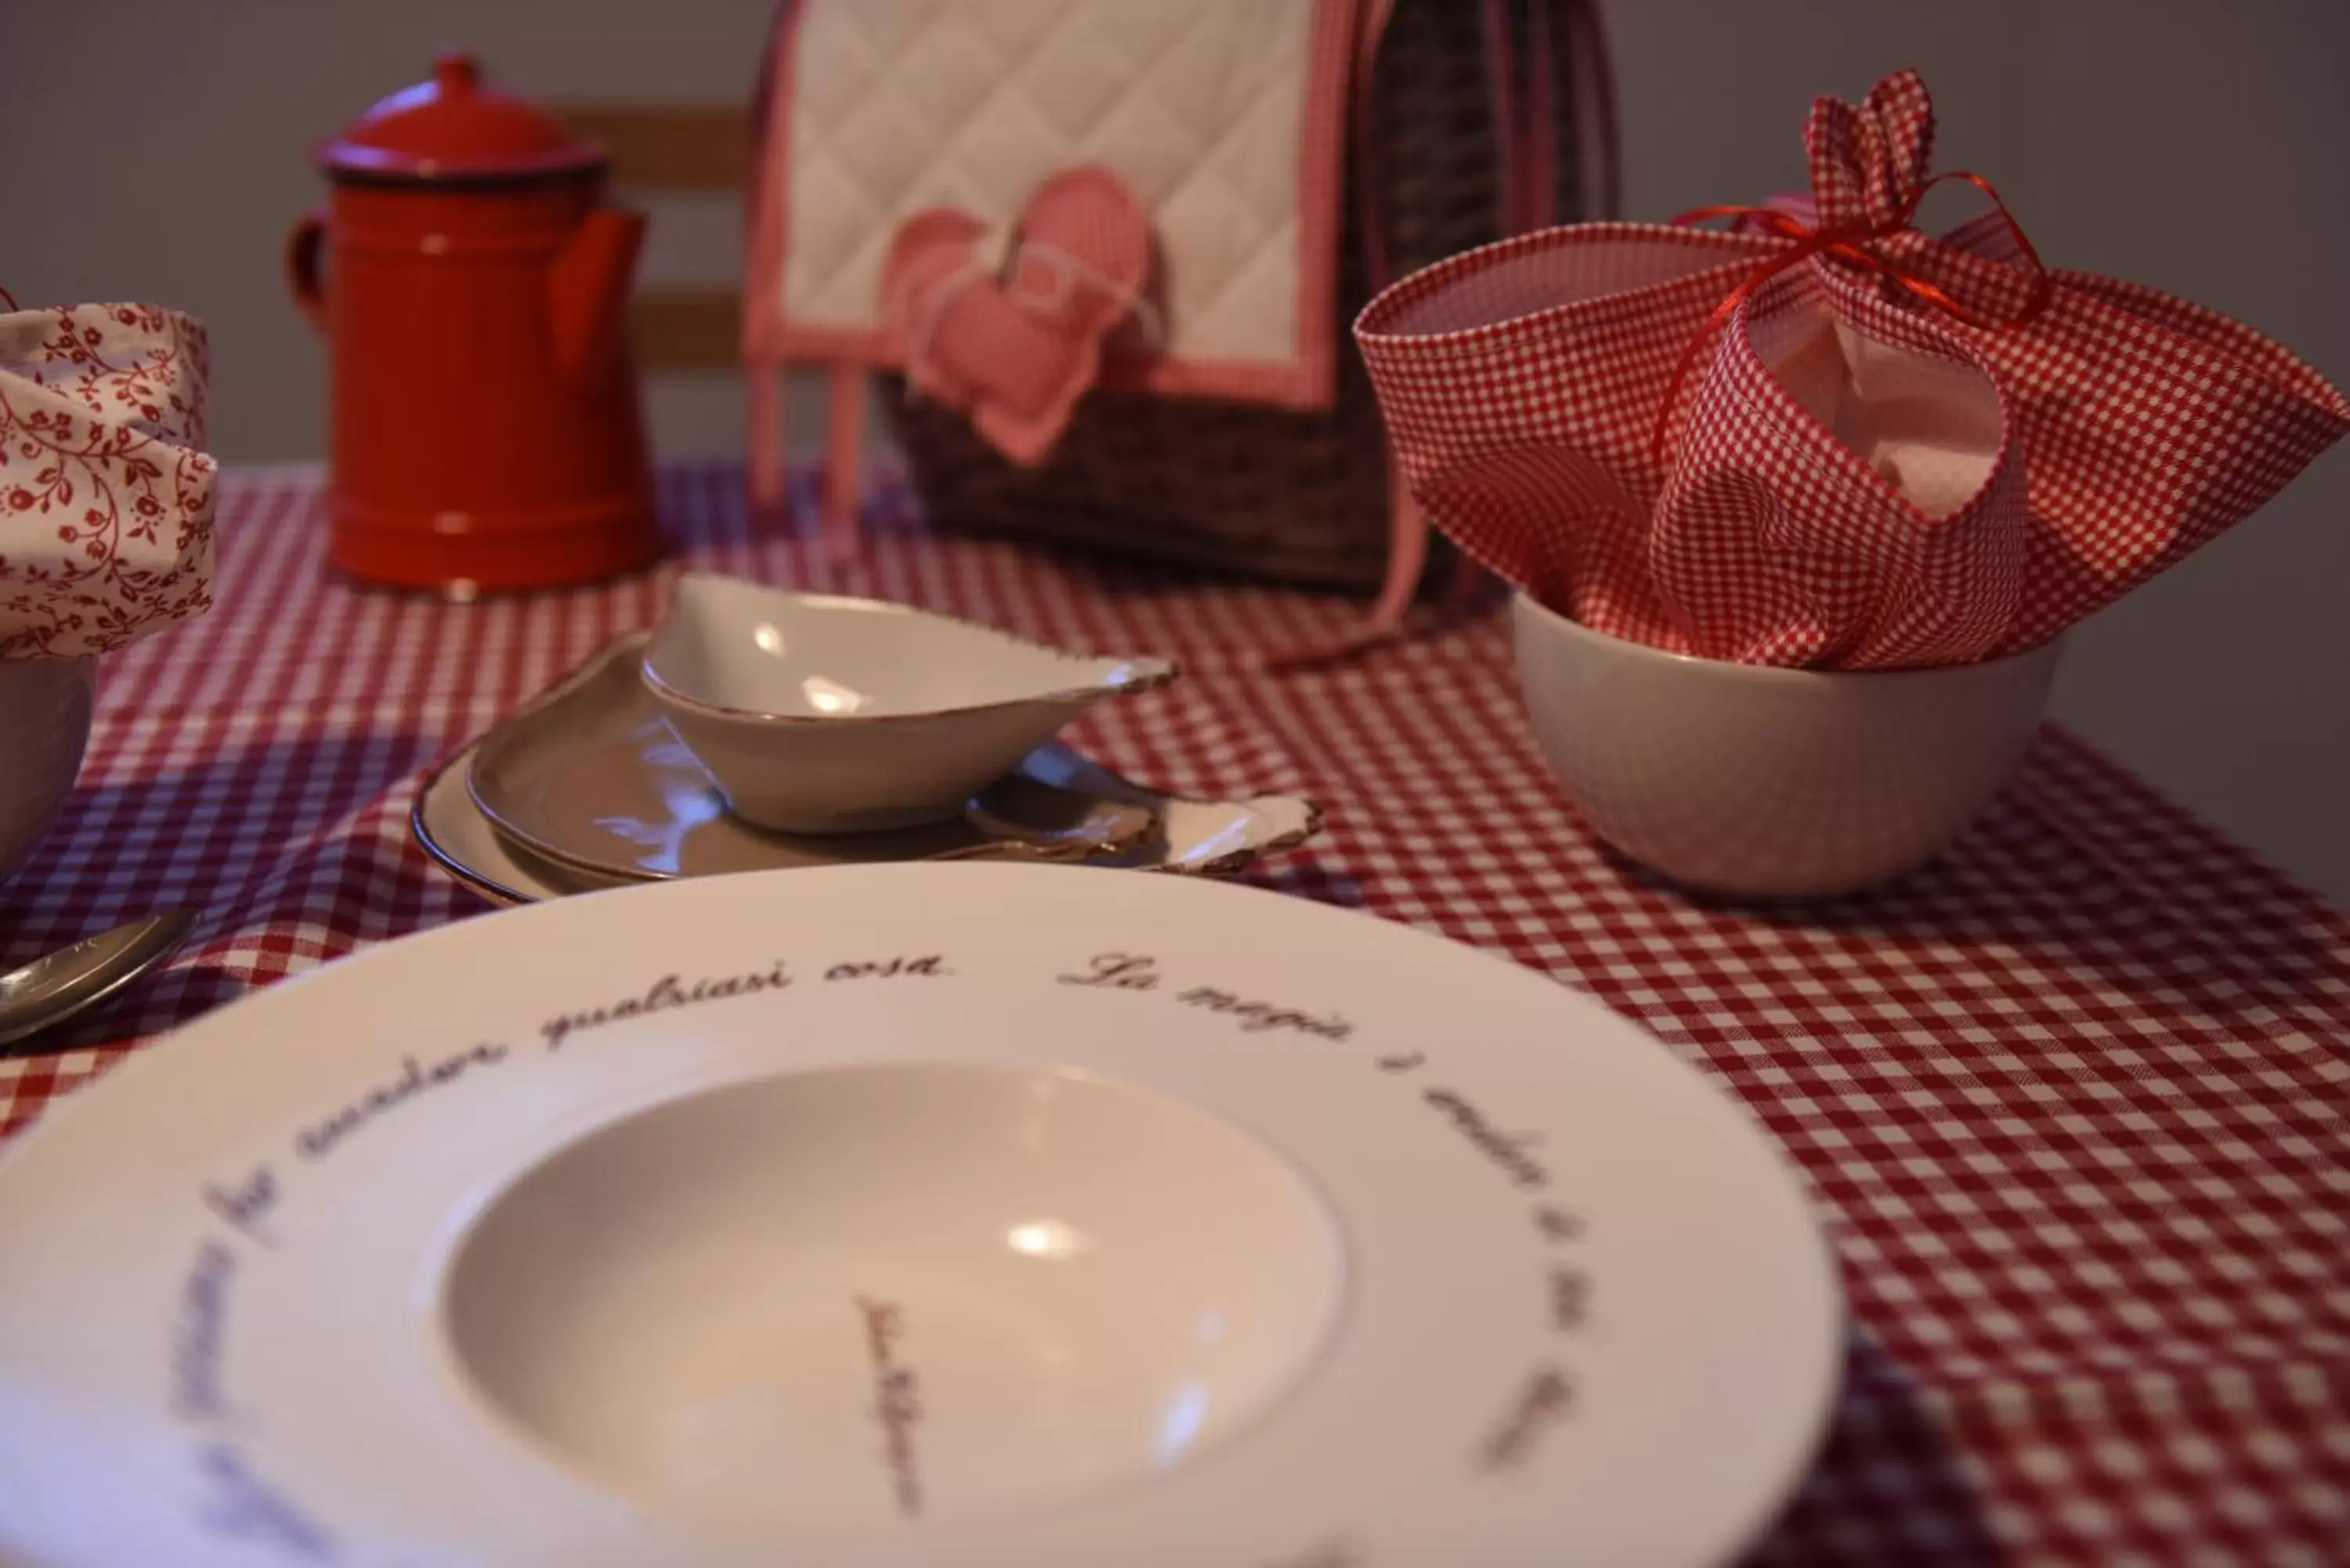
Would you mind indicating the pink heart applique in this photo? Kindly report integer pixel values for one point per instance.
(1016, 348)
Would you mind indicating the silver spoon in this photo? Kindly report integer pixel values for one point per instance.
(55, 986)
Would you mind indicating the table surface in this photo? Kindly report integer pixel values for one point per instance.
(2076, 1101)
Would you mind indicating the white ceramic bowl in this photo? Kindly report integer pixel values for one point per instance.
(1765, 782)
(1120, 1278)
(814, 713)
(44, 709)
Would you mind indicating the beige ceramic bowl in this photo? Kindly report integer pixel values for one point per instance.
(1765, 782)
(44, 707)
(814, 713)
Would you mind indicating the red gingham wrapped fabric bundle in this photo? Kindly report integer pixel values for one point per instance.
(1849, 477)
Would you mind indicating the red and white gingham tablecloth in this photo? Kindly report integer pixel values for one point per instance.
(2076, 1101)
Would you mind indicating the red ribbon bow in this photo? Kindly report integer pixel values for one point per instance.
(1868, 179)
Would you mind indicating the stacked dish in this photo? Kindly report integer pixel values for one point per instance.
(759, 729)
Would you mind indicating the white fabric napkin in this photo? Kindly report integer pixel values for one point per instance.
(106, 495)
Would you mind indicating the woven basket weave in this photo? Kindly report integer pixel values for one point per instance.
(1273, 492)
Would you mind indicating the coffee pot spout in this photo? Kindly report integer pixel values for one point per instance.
(587, 287)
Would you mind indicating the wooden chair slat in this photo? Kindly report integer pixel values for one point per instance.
(675, 146)
(679, 328)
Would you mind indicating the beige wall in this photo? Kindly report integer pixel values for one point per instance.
(156, 151)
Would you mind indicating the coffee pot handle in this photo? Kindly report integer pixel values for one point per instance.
(302, 268)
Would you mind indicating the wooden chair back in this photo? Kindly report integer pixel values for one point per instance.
(680, 149)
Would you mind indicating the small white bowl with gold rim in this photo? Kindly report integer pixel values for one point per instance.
(817, 713)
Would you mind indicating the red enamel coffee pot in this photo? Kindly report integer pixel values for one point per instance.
(486, 429)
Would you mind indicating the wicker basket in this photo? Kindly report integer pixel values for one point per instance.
(1273, 492)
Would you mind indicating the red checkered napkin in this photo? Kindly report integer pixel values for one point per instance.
(1899, 450)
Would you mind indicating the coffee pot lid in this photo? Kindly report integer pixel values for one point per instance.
(455, 129)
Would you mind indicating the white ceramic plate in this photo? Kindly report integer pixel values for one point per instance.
(920, 1214)
(1199, 837)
